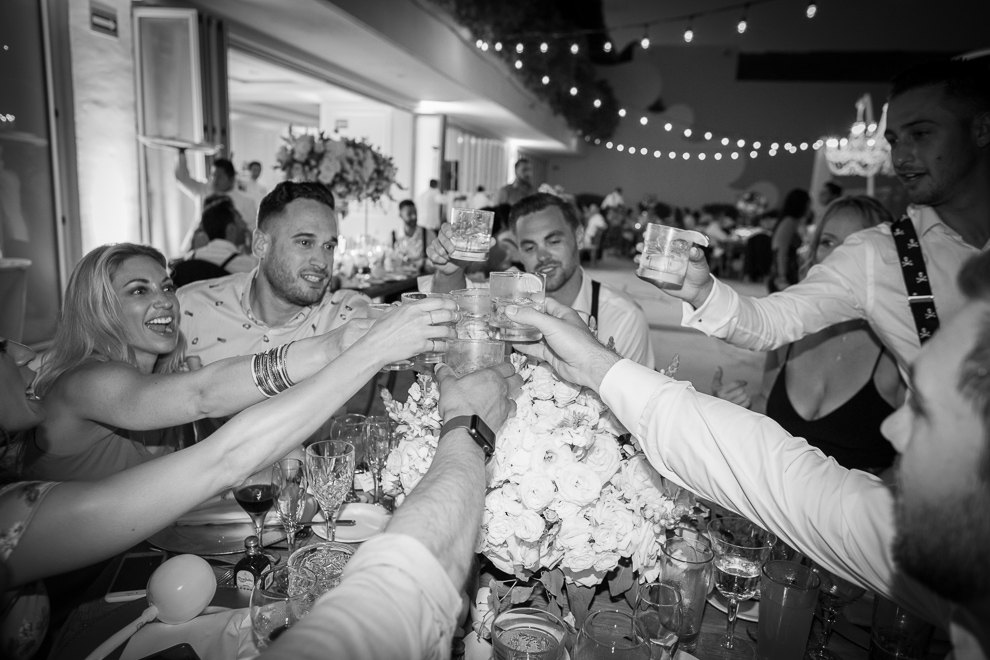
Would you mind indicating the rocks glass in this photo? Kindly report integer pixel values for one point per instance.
(665, 254)
(325, 561)
(377, 311)
(474, 305)
(429, 357)
(526, 633)
(471, 233)
(280, 598)
(512, 288)
(659, 611)
(466, 356)
(687, 563)
(788, 593)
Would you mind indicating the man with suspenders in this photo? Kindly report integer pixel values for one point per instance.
(900, 277)
(549, 232)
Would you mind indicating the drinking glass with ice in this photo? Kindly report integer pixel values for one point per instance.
(514, 288)
(471, 235)
(665, 254)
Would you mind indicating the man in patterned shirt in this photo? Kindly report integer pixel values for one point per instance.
(287, 296)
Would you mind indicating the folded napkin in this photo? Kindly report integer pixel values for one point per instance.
(221, 636)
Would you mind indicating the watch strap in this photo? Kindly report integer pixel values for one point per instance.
(476, 428)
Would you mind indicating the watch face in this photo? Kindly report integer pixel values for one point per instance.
(484, 434)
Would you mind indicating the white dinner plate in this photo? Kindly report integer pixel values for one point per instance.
(370, 521)
(749, 610)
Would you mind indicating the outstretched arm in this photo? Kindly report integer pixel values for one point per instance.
(79, 523)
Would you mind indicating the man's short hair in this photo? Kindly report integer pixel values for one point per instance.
(522, 161)
(217, 216)
(253, 163)
(225, 166)
(287, 192)
(406, 202)
(542, 201)
(966, 82)
(833, 188)
(434, 183)
(974, 379)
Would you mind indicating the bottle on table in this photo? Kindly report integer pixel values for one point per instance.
(252, 565)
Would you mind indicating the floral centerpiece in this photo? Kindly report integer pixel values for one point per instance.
(570, 500)
(353, 169)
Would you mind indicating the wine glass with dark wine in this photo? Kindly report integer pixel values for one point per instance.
(741, 548)
(256, 497)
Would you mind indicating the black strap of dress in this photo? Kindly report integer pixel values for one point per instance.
(919, 290)
(596, 288)
(228, 260)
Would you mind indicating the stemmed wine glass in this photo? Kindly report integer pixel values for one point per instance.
(255, 497)
(330, 465)
(659, 610)
(379, 442)
(834, 595)
(350, 428)
(289, 494)
(741, 548)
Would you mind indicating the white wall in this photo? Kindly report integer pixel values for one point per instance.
(106, 127)
(253, 138)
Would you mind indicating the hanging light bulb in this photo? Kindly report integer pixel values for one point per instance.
(672, 155)
(753, 154)
(608, 145)
(622, 112)
(544, 47)
(498, 46)
(687, 132)
(725, 142)
(735, 155)
(573, 91)
(718, 156)
(645, 41)
(643, 151)
(686, 156)
(478, 43)
(518, 64)
(598, 103)
(643, 121)
(743, 23)
(741, 143)
(701, 156)
(607, 47)
(811, 10)
(546, 80)
(708, 135)
(668, 126)
(689, 32)
(756, 145)
(519, 48)
(619, 147)
(484, 46)
(657, 154)
(598, 141)
(574, 49)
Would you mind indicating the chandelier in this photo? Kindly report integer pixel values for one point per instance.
(865, 152)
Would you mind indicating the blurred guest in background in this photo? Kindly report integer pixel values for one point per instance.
(480, 199)
(830, 192)
(833, 388)
(222, 182)
(594, 227)
(613, 200)
(411, 242)
(795, 212)
(250, 183)
(431, 205)
(225, 239)
(521, 187)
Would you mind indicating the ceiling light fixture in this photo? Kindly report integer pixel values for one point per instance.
(689, 32)
(498, 46)
(811, 10)
(574, 49)
(574, 91)
(519, 48)
(598, 103)
(544, 47)
(607, 47)
(518, 64)
(643, 121)
(645, 41)
(622, 112)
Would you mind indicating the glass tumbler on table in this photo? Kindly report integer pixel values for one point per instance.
(526, 633)
(429, 357)
(687, 563)
(659, 610)
(471, 233)
(741, 548)
(377, 311)
(788, 594)
(512, 288)
(330, 467)
(350, 428)
(834, 595)
(289, 496)
(255, 497)
(280, 598)
(611, 635)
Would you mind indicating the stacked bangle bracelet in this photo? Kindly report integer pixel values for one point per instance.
(269, 371)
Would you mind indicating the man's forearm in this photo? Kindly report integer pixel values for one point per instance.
(447, 501)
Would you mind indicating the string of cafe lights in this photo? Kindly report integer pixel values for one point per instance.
(4, 118)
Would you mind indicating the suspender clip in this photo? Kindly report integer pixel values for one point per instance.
(913, 300)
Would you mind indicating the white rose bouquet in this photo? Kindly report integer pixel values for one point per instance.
(563, 492)
(353, 169)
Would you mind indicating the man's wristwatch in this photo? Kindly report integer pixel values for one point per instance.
(476, 428)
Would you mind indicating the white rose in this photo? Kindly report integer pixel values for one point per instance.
(498, 530)
(565, 393)
(525, 555)
(574, 532)
(645, 550)
(606, 561)
(604, 457)
(579, 559)
(580, 437)
(541, 389)
(528, 526)
(548, 454)
(536, 491)
(577, 483)
(546, 408)
(563, 509)
(586, 578)
(499, 555)
(590, 400)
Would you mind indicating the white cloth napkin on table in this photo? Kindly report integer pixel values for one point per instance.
(222, 636)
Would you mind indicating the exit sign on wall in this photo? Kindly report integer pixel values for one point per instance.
(103, 19)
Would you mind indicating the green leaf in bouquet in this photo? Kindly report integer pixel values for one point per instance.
(623, 580)
(579, 599)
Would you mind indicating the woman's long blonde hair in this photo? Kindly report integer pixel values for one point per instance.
(89, 326)
(871, 212)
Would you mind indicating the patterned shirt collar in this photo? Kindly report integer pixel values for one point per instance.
(245, 297)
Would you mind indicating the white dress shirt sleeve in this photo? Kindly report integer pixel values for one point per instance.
(394, 601)
(836, 290)
(843, 519)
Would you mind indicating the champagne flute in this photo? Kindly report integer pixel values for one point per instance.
(741, 548)
(255, 497)
(350, 428)
(611, 635)
(380, 441)
(289, 494)
(330, 465)
(659, 610)
(834, 595)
